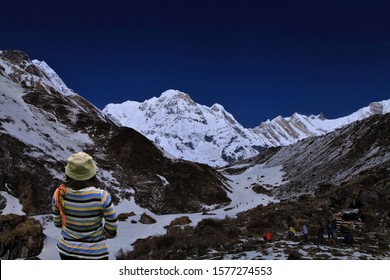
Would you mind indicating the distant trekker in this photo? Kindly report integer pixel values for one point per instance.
(348, 238)
(291, 231)
(320, 233)
(329, 229)
(305, 234)
(267, 236)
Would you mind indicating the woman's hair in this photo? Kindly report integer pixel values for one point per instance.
(77, 185)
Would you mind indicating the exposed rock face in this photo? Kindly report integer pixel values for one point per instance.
(26, 176)
(20, 237)
(42, 122)
(16, 57)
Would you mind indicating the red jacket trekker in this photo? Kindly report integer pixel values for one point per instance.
(267, 236)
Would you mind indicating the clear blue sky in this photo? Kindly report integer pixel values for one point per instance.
(257, 58)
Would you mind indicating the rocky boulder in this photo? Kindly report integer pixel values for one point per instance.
(367, 198)
(20, 237)
(124, 216)
(147, 219)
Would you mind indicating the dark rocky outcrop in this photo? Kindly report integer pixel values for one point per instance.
(16, 57)
(20, 237)
(369, 198)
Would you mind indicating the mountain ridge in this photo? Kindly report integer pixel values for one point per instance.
(184, 129)
(211, 135)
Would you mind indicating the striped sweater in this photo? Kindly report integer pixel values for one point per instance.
(84, 235)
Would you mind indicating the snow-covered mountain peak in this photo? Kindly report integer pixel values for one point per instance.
(38, 74)
(217, 107)
(174, 98)
(174, 94)
(320, 116)
(58, 83)
(186, 129)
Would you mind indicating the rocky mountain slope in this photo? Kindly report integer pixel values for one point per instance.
(42, 122)
(211, 135)
(319, 164)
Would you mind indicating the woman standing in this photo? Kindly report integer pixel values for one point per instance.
(79, 208)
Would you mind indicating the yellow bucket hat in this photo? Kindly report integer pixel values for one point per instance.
(80, 167)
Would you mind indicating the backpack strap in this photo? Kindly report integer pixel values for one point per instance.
(59, 195)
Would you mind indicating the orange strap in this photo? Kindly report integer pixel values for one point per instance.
(59, 195)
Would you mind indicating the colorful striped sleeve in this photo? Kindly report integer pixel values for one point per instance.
(56, 212)
(110, 215)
